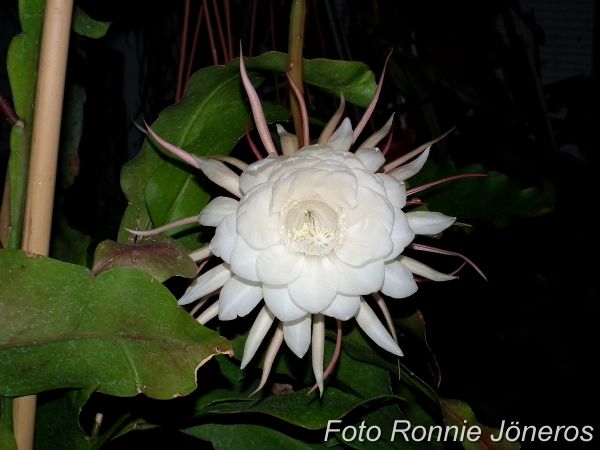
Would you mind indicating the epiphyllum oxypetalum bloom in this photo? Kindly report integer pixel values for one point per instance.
(314, 231)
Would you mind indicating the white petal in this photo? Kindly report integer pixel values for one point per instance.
(217, 210)
(371, 325)
(254, 222)
(372, 158)
(318, 349)
(243, 260)
(277, 265)
(297, 335)
(342, 138)
(316, 287)
(399, 281)
(289, 141)
(220, 174)
(428, 222)
(360, 280)
(206, 283)
(365, 242)
(259, 329)
(280, 303)
(412, 168)
(343, 307)
(258, 172)
(369, 180)
(395, 190)
(296, 184)
(339, 188)
(402, 235)
(224, 240)
(371, 205)
(238, 297)
(423, 270)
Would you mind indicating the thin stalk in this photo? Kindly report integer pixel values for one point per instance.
(188, 73)
(229, 36)
(15, 189)
(252, 27)
(183, 50)
(295, 49)
(211, 37)
(273, 45)
(220, 31)
(42, 170)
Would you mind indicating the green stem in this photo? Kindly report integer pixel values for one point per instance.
(296, 46)
(7, 439)
(18, 164)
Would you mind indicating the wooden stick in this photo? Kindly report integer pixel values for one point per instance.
(42, 171)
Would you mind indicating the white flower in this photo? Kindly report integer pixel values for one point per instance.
(313, 232)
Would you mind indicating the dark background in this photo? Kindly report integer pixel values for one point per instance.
(517, 80)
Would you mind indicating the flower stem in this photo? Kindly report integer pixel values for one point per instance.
(295, 48)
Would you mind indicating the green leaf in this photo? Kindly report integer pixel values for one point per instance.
(351, 78)
(299, 408)
(495, 197)
(456, 411)
(360, 349)
(22, 58)
(22, 64)
(159, 256)
(84, 25)
(239, 435)
(57, 422)
(121, 331)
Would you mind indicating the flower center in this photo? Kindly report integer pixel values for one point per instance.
(311, 227)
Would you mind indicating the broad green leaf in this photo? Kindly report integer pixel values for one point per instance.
(57, 422)
(240, 435)
(495, 197)
(159, 256)
(22, 63)
(351, 78)
(456, 412)
(360, 349)
(84, 25)
(300, 408)
(121, 331)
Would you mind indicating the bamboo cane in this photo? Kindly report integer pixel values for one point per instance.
(42, 170)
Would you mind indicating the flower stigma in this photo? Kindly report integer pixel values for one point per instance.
(311, 227)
